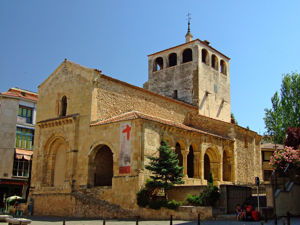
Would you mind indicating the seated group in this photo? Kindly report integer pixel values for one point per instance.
(246, 213)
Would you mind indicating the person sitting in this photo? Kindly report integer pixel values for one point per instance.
(240, 214)
(249, 210)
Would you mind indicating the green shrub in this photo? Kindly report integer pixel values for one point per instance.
(143, 197)
(208, 197)
(157, 203)
(174, 204)
(194, 199)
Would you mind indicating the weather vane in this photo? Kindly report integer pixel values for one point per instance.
(189, 21)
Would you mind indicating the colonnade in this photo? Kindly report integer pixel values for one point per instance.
(199, 163)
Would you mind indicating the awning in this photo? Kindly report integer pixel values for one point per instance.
(13, 182)
(23, 154)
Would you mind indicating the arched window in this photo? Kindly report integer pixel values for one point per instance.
(190, 163)
(204, 56)
(179, 155)
(223, 68)
(172, 59)
(63, 107)
(214, 62)
(187, 55)
(158, 64)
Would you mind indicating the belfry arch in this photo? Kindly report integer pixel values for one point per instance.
(100, 166)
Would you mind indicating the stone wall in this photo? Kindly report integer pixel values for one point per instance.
(288, 201)
(8, 119)
(79, 205)
(116, 97)
(179, 193)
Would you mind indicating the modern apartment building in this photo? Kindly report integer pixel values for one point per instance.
(17, 120)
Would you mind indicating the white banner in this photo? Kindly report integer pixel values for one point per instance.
(125, 148)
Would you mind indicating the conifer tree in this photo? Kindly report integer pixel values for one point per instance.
(165, 168)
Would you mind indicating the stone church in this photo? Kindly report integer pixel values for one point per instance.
(94, 132)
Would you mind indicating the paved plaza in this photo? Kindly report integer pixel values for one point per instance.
(59, 221)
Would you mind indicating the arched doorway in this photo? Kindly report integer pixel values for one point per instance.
(179, 155)
(55, 160)
(103, 166)
(190, 162)
(60, 160)
(227, 175)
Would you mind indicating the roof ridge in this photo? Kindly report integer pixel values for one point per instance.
(141, 115)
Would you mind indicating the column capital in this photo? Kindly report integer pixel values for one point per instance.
(197, 153)
(184, 153)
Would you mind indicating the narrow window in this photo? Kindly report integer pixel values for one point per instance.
(223, 67)
(204, 56)
(172, 59)
(63, 106)
(187, 55)
(214, 62)
(175, 94)
(158, 64)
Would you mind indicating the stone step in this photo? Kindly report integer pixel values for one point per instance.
(225, 217)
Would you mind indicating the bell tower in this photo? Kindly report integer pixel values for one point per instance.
(193, 72)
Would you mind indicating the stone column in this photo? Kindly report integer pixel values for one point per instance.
(201, 167)
(221, 170)
(184, 162)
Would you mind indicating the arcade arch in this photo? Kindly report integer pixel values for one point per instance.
(212, 163)
(101, 166)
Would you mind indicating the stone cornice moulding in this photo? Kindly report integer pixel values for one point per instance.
(58, 121)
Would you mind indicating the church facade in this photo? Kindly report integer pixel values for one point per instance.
(94, 133)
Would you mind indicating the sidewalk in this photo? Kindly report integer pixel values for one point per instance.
(59, 221)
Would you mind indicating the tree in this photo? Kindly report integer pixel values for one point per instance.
(293, 137)
(165, 168)
(285, 109)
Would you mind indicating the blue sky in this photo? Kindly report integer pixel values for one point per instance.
(261, 38)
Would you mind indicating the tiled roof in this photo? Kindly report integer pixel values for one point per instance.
(19, 93)
(138, 115)
(187, 43)
(272, 146)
